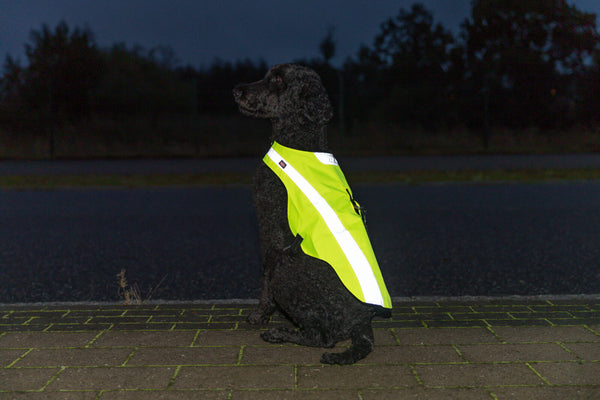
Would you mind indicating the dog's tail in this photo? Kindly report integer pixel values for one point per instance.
(362, 344)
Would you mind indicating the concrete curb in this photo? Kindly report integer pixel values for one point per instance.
(561, 297)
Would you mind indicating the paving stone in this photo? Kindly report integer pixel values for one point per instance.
(205, 325)
(283, 354)
(242, 325)
(575, 322)
(384, 337)
(228, 318)
(66, 320)
(228, 338)
(153, 313)
(78, 327)
(442, 309)
(412, 354)
(515, 352)
(225, 311)
(456, 324)
(355, 377)
(166, 395)
(538, 315)
(142, 327)
(501, 308)
(559, 307)
(74, 357)
(421, 317)
(12, 319)
(119, 320)
(398, 324)
(27, 340)
(547, 393)
(25, 379)
(178, 319)
(23, 328)
(239, 377)
(481, 315)
(185, 356)
(585, 351)
(112, 378)
(145, 339)
(568, 373)
(519, 322)
(295, 394)
(586, 314)
(7, 357)
(476, 375)
(445, 336)
(546, 334)
(46, 395)
(425, 394)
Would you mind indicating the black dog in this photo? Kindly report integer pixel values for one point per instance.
(306, 289)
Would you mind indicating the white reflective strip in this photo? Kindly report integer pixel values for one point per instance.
(326, 158)
(358, 261)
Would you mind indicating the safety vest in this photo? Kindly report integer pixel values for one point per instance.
(322, 211)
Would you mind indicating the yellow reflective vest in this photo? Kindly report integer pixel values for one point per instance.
(322, 211)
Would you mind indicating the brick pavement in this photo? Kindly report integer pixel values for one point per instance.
(495, 349)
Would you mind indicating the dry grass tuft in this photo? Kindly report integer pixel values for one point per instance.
(131, 294)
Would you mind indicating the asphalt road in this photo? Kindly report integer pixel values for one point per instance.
(440, 239)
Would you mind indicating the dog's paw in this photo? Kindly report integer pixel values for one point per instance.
(337, 358)
(257, 318)
(275, 335)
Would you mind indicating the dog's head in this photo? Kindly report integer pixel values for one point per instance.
(289, 93)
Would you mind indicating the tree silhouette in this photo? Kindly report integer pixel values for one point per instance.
(523, 54)
(137, 82)
(64, 67)
(327, 45)
(415, 53)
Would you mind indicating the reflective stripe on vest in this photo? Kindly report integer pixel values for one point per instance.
(320, 209)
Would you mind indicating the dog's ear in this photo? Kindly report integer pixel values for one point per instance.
(315, 104)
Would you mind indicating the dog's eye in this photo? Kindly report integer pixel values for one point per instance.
(277, 84)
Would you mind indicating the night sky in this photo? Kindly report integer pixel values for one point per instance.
(201, 31)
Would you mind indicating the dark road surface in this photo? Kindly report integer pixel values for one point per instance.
(441, 239)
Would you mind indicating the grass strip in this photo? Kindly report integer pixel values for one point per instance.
(398, 177)
(499, 175)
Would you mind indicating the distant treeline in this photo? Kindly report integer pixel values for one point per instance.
(515, 64)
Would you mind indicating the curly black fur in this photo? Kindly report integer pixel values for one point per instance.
(307, 290)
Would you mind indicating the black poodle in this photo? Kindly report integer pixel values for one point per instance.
(304, 288)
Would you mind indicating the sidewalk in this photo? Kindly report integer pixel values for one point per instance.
(498, 349)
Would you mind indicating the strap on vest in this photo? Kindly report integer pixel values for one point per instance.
(358, 209)
(295, 245)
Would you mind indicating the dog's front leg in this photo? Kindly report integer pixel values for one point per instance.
(266, 304)
(270, 200)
